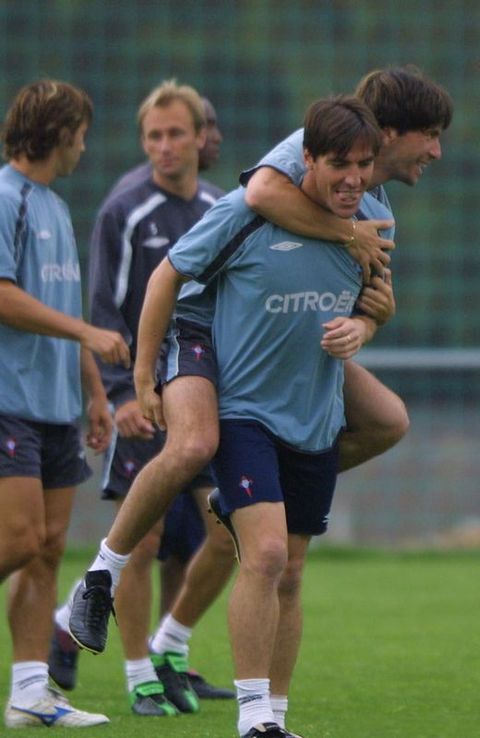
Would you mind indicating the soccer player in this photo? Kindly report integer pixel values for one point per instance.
(283, 324)
(412, 111)
(134, 228)
(184, 528)
(45, 348)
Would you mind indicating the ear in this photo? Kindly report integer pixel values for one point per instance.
(308, 159)
(389, 135)
(202, 138)
(65, 137)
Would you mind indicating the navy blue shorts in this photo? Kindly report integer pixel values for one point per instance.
(184, 530)
(252, 465)
(46, 451)
(187, 351)
(127, 456)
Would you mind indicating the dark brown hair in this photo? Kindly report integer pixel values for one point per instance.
(405, 99)
(336, 124)
(38, 115)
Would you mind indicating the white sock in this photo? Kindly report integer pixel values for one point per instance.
(113, 562)
(62, 613)
(171, 636)
(279, 704)
(139, 671)
(253, 697)
(29, 682)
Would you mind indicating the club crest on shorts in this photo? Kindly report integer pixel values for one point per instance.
(11, 445)
(247, 485)
(198, 351)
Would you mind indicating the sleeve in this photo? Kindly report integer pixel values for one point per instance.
(108, 276)
(286, 157)
(12, 229)
(215, 240)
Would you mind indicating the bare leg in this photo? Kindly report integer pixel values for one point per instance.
(289, 630)
(190, 411)
(376, 417)
(172, 575)
(254, 604)
(208, 570)
(32, 589)
(22, 522)
(133, 596)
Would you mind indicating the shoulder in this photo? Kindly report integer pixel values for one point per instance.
(121, 203)
(208, 191)
(136, 175)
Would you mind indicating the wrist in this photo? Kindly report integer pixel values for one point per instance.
(349, 242)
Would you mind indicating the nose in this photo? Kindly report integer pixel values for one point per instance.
(436, 149)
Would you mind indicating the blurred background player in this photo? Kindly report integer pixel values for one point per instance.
(41, 456)
(136, 225)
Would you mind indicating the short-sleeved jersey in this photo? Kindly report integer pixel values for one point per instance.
(133, 231)
(287, 158)
(275, 290)
(40, 375)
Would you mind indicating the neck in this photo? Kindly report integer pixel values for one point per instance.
(185, 186)
(41, 171)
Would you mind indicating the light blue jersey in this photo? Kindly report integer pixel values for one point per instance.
(287, 157)
(39, 375)
(275, 290)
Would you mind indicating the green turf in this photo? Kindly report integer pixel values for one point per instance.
(391, 649)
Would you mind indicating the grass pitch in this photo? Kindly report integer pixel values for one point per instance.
(391, 649)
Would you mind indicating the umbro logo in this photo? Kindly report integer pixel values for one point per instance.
(286, 246)
(44, 235)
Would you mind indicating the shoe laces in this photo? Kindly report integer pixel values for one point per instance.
(102, 605)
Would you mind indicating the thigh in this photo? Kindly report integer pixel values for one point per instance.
(367, 401)
(22, 507)
(190, 409)
(246, 465)
(308, 482)
(58, 504)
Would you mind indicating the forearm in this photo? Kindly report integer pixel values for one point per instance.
(368, 327)
(91, 379)
(20, 310)
(158, 306)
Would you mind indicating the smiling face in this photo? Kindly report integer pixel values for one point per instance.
(406, 155)
(338, 183)
(171, 142)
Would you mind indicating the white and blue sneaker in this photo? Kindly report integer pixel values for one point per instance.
(51, 710)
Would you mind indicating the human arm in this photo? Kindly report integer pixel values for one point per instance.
(277, 198)
(111, 281)
(99, 418)
(158, 306)
(377, 299)
(22, 311)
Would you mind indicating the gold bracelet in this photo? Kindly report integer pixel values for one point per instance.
(352, 237)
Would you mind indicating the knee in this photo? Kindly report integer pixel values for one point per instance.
(268, 561)
(291, 581)
(397, 423)
(53, 546)
(22, 543)
(193, 451)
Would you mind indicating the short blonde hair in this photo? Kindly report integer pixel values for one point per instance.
(168, 92)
